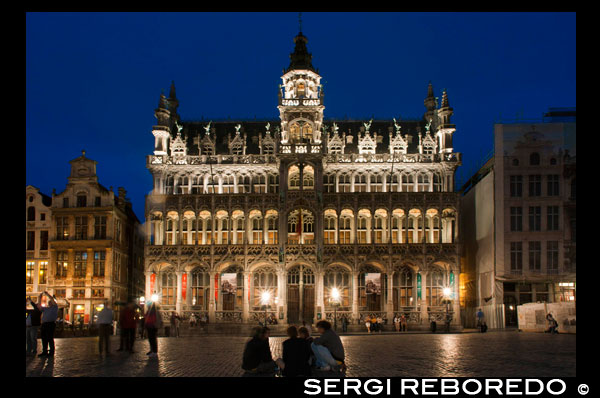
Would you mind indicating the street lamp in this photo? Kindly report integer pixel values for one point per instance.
(265, 298)
(154, 297)
(447, 295)
(335, 301)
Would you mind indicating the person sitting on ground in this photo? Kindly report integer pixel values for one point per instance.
(328, 348)
(304, 334)
(296, 354)
(368, 324)
(257, 359)
(380, 323)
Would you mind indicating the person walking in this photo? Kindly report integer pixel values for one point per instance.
(49, 315)
(344, 323)
(175, 324)
(480, 318)
(153, 323)
(403, 323)
(105, 322)
(32, 322)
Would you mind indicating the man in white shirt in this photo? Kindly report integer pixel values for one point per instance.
(105, 320)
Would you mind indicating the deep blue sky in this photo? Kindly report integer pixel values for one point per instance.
(93, 79)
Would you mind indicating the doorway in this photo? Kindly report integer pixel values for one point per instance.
(300, 295)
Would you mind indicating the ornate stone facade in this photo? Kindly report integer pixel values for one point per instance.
(299, 206)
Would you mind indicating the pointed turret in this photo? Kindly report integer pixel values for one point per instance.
(446, 128)
(445, 99)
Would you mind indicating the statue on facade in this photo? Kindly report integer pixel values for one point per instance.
(335, 128)
(207, 128)
(237, 128)
(268, 128)
(179, 127)
(428, 126)
(397, 126)
(368, 125)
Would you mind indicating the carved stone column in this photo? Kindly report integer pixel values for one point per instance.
(212, 305)
(245, 298)
(179, 295)
(390, 296)
(424, 313)
(355, 314)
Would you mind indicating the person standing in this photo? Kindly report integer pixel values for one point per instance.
(128, 323)
(153, 322)
(344, 323)
(105, 322)
(49, 315)
(175, 324)
(32, 322)
(192, 320)
(480, 317)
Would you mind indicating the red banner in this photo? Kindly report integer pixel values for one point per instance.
(86, 318)
(216, 288)
(152, 280)
(183, 285)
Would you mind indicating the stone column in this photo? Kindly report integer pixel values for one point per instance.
(281, 293)
(212, 305)
(390, 296)
(245, 299)
(148, 293)
(355, 315)
(320, 286)
(179, 295)
(424, 314)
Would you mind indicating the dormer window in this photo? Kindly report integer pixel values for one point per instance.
(81, 200)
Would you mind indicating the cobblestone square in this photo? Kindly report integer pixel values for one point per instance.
(501, 354)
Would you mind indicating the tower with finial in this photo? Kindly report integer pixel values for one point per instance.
(445, 129)
(300, 105)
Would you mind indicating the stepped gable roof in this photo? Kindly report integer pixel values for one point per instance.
(253, 128)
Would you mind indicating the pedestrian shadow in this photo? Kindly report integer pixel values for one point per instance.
(45, 367)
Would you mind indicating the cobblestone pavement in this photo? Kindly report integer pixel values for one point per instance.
(501, 354)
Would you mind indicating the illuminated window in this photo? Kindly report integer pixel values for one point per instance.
(29, 273)
(308, 178)
(62, 264)
(43, 274)
(62, 228)
(435, 288)
(338, 278)
(99, 262)
(301, 90)
(200, 289)
(169, 288)
(403, 289)
(272, 225)
(80, 264)
(265, 280)
(294, 177)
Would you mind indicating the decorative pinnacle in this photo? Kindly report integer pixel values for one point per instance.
(83, 152)
(445, 103)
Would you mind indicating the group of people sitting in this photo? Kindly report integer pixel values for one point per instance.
(373, 323)
(195, 320)
(302, 354)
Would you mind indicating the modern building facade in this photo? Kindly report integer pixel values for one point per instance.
(95, 245)
(307, 217)
(38, 224)
(519, 219)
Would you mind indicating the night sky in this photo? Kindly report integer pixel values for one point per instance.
(94, 79)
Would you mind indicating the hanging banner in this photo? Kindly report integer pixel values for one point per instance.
(216, 288)
(183, 285)
(229, 283)
(419, 285)
(373, 283)
(152, 282)
(452, 284)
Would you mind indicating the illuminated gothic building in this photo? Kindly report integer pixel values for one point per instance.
(304, 209)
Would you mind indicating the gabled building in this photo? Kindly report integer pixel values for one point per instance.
(37, 227)
(95, 244)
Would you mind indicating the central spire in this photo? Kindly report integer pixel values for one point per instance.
(300, 58)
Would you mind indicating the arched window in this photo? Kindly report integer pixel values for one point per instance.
(257, 228)
(308, 177)
(345, 229)
(172, 227)
(329, 183)
(435, 288)
(272, 225)
(403, 289)
(330, 219)
(30, 213)
(393, 183)
(294, 177)
(338, 278)
(361, 229)
(534, 159)
(169, 288)
(197, 184)
(228, 184)
(265, 280)
(200, 289)
(437, 182)
(206, 225)
(301, 90)
(273, 183)
(222, 228)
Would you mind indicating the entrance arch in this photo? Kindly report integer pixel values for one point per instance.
(300, 294)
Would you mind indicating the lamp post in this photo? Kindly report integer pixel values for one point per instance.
(447, 298)
(335, 301)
